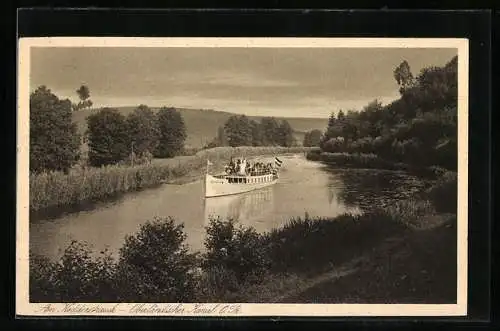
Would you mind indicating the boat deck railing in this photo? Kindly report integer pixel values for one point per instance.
(251, 174)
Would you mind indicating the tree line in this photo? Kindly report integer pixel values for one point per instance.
(240, 130)
(419, 128)
(111, 136)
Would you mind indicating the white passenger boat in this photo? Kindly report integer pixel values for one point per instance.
(241, 177)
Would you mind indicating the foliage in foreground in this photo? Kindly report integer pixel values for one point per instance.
(444, 193)
(155, 265)
(238, 264)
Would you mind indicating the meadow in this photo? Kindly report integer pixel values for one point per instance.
(84, 184)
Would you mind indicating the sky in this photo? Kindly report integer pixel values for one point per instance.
(285, 82)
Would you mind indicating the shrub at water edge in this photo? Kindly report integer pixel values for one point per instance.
(154, 266)
(56, 189)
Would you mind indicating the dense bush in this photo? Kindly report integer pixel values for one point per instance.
(143, 131)
(154, 266)
(314, 155)
(158, 257)
(43, 282)
(239, 265)
(235, 248)
(217, 283)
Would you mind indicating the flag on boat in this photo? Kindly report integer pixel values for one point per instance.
(278, 162)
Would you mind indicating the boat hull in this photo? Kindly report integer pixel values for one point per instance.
(216, 187)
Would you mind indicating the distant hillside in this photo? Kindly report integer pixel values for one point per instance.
(202, 125)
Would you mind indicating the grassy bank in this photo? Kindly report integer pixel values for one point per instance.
(372, 161)
(56, 189)
(237, 260)
(358, 160)
(419, 268)
(403, 254)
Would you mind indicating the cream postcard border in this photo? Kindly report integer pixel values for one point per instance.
(24, 307)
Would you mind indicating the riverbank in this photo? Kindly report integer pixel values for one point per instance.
(418, 267)
(56, 190)
(371, 161)
(405, 253)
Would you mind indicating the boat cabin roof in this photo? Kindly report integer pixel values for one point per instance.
(243, 176)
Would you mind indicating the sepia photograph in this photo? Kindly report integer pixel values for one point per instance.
(242, 176)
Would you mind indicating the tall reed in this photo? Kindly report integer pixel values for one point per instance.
(56, 189)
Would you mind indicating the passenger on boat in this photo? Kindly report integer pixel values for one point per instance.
(244, 168)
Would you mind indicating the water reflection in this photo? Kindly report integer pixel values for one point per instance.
(304, 187)
(368, 188)
(246, 207)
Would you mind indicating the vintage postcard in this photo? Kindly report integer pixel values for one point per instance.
(242, 177)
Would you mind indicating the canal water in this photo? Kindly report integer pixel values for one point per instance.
(305, 187)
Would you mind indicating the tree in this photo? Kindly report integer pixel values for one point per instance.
(312, 138)
(335, 126)
(221, 136)
(172, 133)
(438, 87)
(341, 115)
(285, 134)
(143, 130)
(238, 131)
(419, 128)
(108, 137)
(351, 126)
(257, 133)
(270, 131)
(403, 76)
(219, 140)
(54, 141)
(84, 96)
(331, 120)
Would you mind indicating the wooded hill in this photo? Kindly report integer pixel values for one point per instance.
(202, 125)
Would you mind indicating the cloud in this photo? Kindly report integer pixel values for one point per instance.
(234, 79)
(247, 80)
